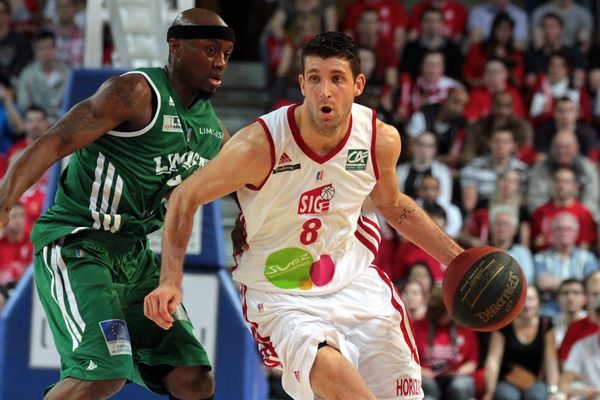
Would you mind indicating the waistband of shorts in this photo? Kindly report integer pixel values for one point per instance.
(117, 243)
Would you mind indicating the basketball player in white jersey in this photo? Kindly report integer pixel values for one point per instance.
(319, 311)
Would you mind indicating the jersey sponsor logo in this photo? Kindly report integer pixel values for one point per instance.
(171, 123)
(284, 159)
(289, 268)
(116, 336)
(171, 102)
(316, 201)
(210, 131)
(294, 268)
(170, 163)
(357, 160)
(286, 168)
(79, 253)
(297, 375)
(408, 387)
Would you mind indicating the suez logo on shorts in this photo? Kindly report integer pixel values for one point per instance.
(357, 160)
(316, 201)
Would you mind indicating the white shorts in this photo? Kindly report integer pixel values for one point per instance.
(366, 321)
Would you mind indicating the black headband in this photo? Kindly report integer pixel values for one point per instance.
(201, 32)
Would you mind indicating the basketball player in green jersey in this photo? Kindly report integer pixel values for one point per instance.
(133, 141)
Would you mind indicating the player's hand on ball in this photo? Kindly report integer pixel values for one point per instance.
(161, 303)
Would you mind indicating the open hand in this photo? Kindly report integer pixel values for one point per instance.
(160, 304)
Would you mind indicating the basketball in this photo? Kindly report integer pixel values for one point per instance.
(484, 288)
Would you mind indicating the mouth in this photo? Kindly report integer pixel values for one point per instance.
(326, 110)
(215, 81)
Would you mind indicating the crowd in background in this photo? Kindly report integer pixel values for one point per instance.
(498, 108)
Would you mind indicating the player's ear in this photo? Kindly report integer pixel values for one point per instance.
(359, 84)
(175, 46)
(301, 82)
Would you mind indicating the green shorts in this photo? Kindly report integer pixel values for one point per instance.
(92, 286)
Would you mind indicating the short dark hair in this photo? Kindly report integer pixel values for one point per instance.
(434, 209)
(36, 108)
(43, 35)
(555, 16)
(333, 44)
(7, 5)
(571, 281)
(431, 10)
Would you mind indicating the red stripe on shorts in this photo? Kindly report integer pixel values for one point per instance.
(405, 324)
(266, 348)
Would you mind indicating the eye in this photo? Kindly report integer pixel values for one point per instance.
(211, 51)
(313, 79)
(227, 55)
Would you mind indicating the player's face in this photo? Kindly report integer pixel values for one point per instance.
(329, 89)
(203, 64)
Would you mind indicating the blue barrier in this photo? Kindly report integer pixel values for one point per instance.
(238, 368)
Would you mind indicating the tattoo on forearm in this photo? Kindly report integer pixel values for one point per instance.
(405, 213)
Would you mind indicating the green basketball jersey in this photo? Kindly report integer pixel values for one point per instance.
(119, 182)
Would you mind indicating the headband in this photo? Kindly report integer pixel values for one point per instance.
(201, 32)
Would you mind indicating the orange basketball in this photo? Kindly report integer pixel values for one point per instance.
(484, 288)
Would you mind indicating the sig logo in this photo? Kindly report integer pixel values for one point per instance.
(357, 160)
(316, 201)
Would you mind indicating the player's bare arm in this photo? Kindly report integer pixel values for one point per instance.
(226, 135)
(245, 159)
(398, 209)
(122, 102)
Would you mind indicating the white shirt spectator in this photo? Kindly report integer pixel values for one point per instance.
(482, 16)
(576, 18)
(584, 360)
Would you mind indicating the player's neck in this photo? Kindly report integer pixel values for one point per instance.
(320, 140)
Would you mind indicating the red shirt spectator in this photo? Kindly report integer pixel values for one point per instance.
(480, 103)
(541, 224)
(576, 330)
(392, 17)
(474, 65)
(407, 254)
(16, 250)
(454, 16)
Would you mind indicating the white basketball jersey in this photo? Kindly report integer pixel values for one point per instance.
(305, 230)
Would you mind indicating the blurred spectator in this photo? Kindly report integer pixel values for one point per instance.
(407, 254)
(499, 45)
(431, 39)
(578, 22)
(520, 354)
(14, 47)
(385, 71)
(555, 85)
(70, 37)
(373, 92)
(51, 14)
(478, 178)
(503, 229)
(507, 193)
(564, 152)
(423, 163)
(289, 11)
(25, 16)
(563, 199)
(43, 81)
(16, 250)
(551, 27)
(481, 17)
(414, 297)
(495, 80)
(34, 125)
(428, 191)
(11, 122)
(565, 118)
(561, 261)
(585, 326)
(448, 353)
(581, 372)
(393, 20)
(422, 274)
(571, 300)
(446, 121)
(454, 16)
(502, 116)
(430, 87)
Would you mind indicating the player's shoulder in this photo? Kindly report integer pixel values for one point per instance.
(135, 84)
(386, 133)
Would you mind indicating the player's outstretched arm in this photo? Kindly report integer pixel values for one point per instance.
(124, 99)
(245, 159)
(398, 209)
